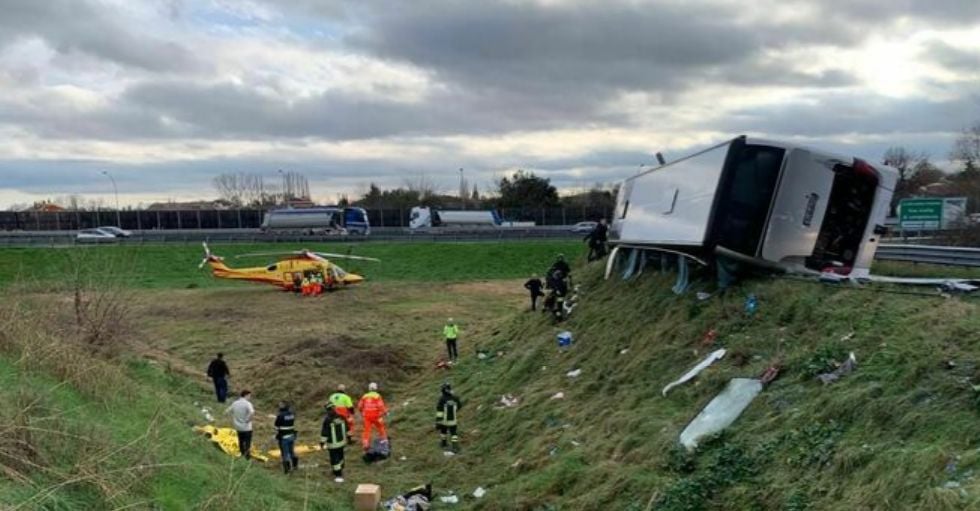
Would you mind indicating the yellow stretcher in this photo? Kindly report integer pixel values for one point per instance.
(226, 439)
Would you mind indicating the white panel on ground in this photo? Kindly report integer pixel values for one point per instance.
(722, 411)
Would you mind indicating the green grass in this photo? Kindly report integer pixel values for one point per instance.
(175, 265)
(899, 433)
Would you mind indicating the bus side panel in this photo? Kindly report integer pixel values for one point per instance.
(672, 204)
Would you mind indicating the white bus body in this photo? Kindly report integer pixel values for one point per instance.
(766, 203)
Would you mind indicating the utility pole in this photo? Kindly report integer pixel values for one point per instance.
(115, 190)
(462, 188)
(283, 187)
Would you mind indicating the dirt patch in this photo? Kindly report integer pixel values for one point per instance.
(309, 370)
(489, 288)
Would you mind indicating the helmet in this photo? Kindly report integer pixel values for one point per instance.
(341, 387)
(372, 386)
(450, 320)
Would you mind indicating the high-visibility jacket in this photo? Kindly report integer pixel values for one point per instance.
(446, 410)
(341, 400)
(334, 431)
(451, 331)
(372, 406)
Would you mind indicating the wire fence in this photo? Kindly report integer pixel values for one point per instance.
(141, 220)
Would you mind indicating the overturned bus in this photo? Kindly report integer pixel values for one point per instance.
(767, 204)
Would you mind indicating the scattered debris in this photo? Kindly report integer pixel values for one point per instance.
(448, 454)
(367, 497)
(722, 411)
(576, 444)
(553, 451)
(482, 355)
(449, 499)
(443, 364)
(702, 296)
(846, 368)
(770, 374)
(559, 395)
(206, 412)
(544, 368)
(564, 339)
(624, 351)
(709, 339)
(403, 458)
(710, 359)
(847, 337)
(751, 305)
(379, 450)
(517, 463)
(574, 374)
(509, 400)
(953, 286)
(479, 492)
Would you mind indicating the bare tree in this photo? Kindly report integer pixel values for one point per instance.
(966, 149)
(907, 163)
(422, 185)
(295, 186)
(240, 188)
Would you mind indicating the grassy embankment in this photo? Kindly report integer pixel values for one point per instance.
(91, 430)
(899, 433)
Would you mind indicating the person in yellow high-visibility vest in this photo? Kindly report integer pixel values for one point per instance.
(451, 331)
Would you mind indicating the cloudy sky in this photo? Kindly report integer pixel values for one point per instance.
(166, 94)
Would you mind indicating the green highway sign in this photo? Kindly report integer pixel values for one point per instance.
(920, 214)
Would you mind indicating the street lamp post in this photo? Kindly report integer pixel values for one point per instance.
(462, 191)
(283, 187)
(115, 190)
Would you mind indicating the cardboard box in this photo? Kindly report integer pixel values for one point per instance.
(367, 497)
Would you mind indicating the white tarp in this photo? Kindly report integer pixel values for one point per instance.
(711, 359)
(722, 411)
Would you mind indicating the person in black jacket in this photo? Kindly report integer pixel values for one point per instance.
(219, 373)
(597, 240)
(447, 423)
(286, 436)
(534, 285)
(333, 438)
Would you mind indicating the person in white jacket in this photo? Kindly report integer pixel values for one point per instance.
(241, 412)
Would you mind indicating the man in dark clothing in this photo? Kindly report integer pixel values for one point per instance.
(447, 410)
(286, 436)
(561, 265)
(597, 240)
(533, 285)
(333, 438)
(219, 373)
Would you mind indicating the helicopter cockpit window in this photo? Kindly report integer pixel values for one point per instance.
(271, 267)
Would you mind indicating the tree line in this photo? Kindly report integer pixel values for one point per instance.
(919, 177)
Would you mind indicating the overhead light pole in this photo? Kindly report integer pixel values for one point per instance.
(115, 190)
(462, 190)
(283, 174)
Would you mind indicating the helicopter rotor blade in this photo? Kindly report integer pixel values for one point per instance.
(264, 254)
(343, 256)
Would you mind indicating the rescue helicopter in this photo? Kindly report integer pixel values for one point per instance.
(292, 267)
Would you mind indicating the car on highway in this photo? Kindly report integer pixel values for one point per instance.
(584, 227)
(115, 231)
(97, 235)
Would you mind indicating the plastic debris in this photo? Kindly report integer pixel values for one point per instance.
(553, 451)
(448, 454)
(688, 376)
(846, 368)
(449, 499)
(509, 400)
(751, 305)
(576, 444)
(710, 337)
(479, 492)
(574, 374)
(702, 296)
(847, 337)
(624, 351)
(559, 395)
(206, 412)
(722, 411)
(953, 286)
(564, 339)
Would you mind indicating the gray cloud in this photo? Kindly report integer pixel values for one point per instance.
(70, 26)
(952, 58)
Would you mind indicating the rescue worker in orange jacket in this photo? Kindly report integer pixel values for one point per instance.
(307, 286)
(373, 410)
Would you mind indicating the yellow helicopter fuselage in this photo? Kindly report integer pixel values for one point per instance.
(285, 272)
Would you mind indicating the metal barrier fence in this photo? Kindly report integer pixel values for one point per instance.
(950, 256)
(144, 220)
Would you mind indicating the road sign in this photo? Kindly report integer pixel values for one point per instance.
(920, 214)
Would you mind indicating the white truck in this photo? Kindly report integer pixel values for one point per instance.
(422, 217)
(765, 203)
